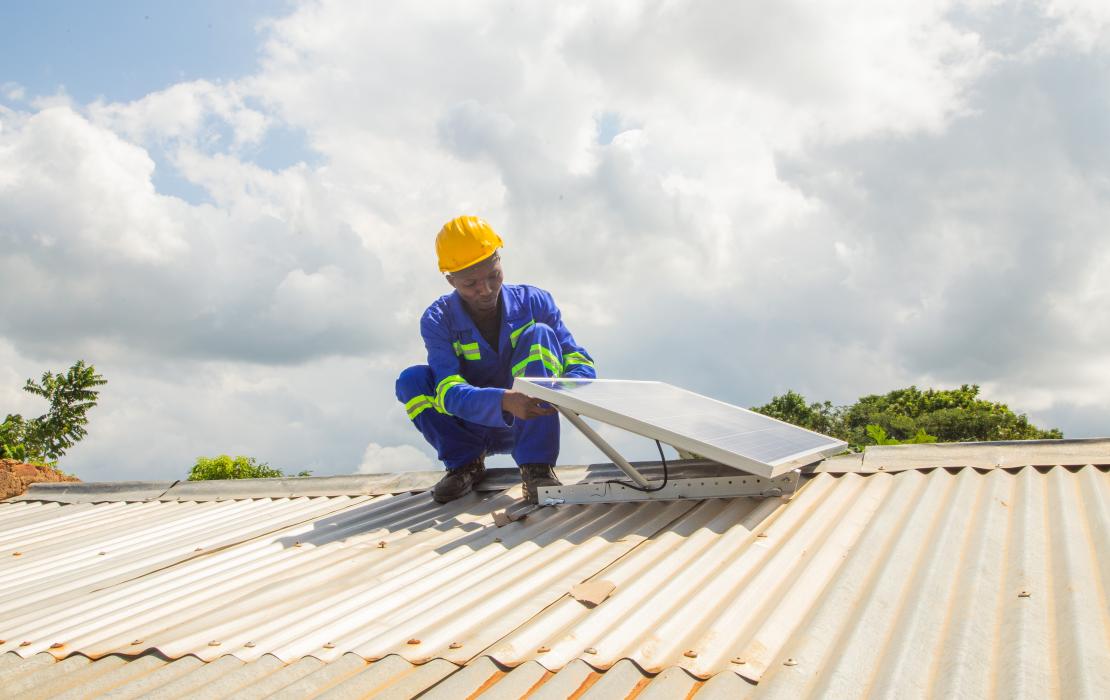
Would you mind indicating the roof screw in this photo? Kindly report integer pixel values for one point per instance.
(882, 468)
(381, 545)
(496, 539)
(136, 642)
(17, 554)
(543, 650)
(691, 654)
(414, 641)
(249, 645)
(296, 544)
(739, 660)
(591, 650)
(762, 534)
(198, 549)
(1024, 594)
(329, 645)
(455, 645)
(57, 645)
(101, 553)
(790, 662)
(25, 644)
(214, 643)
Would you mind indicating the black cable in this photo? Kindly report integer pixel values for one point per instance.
(646, 489)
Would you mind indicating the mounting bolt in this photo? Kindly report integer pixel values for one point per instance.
(790, 662)
(249, 645)
(329, 645)
(214, 643)
(691, 654)
(1024, 594)
(543, 650)
(455, 645)
(738, 660)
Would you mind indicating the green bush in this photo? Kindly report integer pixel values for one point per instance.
(909, 415)
(239, 467)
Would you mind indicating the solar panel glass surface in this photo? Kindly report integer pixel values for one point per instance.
(719, 431)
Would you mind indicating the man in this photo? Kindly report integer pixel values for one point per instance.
(479, 338)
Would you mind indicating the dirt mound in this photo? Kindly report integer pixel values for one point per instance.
(15, 477)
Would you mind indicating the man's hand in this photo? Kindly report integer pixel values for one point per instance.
(523, 406)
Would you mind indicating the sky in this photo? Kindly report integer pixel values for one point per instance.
(230, 208)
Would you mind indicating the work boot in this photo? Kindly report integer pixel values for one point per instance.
(459, 482)
(534, 476)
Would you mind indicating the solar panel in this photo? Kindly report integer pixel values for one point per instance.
(690, 422)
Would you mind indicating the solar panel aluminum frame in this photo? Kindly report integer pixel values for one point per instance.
(567, 401)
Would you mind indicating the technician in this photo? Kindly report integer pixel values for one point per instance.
(479, 337)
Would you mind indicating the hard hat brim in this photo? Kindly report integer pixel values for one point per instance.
(472, 263)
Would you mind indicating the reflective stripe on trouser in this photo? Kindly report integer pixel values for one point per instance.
(458, 442)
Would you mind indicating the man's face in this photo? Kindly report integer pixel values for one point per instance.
(479, 285)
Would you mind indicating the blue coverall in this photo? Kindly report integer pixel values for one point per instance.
(455, 400)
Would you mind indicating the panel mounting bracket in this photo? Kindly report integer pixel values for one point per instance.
(730, 485)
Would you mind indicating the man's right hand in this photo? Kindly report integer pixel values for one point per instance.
(523, 406)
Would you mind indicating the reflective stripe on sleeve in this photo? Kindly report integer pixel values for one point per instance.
(468, 351)
(576, 358)
(441, 391)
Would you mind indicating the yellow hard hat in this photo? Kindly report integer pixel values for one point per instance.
(465, 241)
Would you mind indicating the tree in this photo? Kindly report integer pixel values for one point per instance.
(45, 439)
(909, 415)
(792, 408)
(952, 415)
(239, 467)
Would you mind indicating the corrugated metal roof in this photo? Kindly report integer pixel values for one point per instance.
(939, 582)
(347, 678)
(982, 455)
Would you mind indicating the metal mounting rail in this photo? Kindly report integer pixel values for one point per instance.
(739, 485)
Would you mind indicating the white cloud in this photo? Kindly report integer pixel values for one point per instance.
(1083, 24)
(192, 112)
(90, 185)
(836, 198)
(400, 458)
(13, 91)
